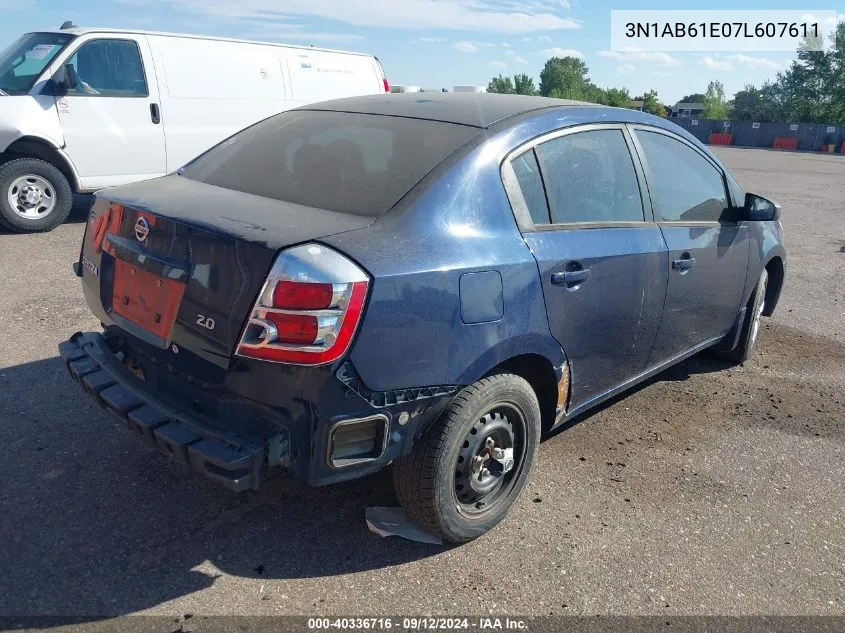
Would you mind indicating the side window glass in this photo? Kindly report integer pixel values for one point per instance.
(684, 186)
(590, 177)
(531, 183)
(109, 68)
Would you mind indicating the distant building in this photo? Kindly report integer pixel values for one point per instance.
(469, 89)
(637, 104)
(687, 110)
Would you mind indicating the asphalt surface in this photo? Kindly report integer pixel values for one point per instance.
(710, 490)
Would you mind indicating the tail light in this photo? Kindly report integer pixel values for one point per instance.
(386, 85)
(308, 310)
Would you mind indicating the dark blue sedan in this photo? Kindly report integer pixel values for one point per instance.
(428, 281)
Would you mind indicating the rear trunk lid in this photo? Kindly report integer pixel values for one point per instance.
(178, 263)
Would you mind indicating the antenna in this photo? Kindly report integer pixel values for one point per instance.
(68, 25)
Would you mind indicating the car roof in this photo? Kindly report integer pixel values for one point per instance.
(463, 108)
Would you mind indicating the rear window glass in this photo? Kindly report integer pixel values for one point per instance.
(352, 163)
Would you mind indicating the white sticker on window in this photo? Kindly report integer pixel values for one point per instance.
(39, 52)
(694, 122)
(831, 129)
(726, 124)
(793, 127)
(755, 126)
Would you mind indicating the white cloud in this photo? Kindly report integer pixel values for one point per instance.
(557, 51)
(284, 31)
(520, 60)
(713, 64)
(809, 18)
(632, 55)
(626, 69)
(755, 63)
(510, 52)
(491, 16)
(498, 64)
(431, 40)
(465, 46)
(506, 45)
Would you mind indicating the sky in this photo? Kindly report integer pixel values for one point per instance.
(434, 43)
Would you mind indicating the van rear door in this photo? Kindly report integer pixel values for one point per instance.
(112, 119)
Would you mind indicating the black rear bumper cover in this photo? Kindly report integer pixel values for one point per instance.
(236, 463)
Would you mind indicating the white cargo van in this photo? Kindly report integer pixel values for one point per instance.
(83, 109)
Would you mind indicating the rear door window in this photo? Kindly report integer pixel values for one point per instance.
(590, 177)
(531, 184)
(340, 161)
(684, 186)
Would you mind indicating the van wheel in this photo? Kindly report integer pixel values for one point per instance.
(34, 196)
(751, 324)
(464, 474)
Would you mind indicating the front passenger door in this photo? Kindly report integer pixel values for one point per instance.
(602, 261)
(111, 121)
(708, 249)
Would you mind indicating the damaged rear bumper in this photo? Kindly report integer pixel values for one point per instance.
(237, 463)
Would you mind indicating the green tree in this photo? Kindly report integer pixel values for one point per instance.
(618, 97)
(502, 85)
(715, 105)
(651, 103)
(564, 78)
(696, 97)
(748, 104)
(524, 85)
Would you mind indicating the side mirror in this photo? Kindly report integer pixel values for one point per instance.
(65, 80)
(71, 79)
(759, 209)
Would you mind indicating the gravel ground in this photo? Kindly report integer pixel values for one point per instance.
(709, 490)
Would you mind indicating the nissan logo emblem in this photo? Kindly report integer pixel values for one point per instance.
(142, 228)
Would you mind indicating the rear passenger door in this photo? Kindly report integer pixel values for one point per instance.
(601, 258)
(708, 249)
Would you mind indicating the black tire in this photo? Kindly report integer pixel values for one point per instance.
(60, 189)
(751, 323)
(426, 481)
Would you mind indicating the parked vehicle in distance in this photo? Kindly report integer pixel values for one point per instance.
(82, 109)
(311, 296)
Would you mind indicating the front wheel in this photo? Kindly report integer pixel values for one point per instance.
(34, 196)
(751, 324)
(465, 473)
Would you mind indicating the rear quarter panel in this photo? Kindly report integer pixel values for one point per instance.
(457, 222)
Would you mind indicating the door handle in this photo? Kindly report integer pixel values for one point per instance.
(570, 278)
(685, 263)
(155, 114)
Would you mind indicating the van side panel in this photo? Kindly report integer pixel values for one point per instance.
(323, 75)
(212, 89)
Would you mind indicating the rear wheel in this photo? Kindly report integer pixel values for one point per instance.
(34, 196)
(751, 324)
(468, 469)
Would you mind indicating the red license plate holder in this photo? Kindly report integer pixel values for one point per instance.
(146, 299)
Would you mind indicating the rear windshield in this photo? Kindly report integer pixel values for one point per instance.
(352, 163)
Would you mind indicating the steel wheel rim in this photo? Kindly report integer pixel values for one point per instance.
(755, 325)
(32, 197)
(476, 495)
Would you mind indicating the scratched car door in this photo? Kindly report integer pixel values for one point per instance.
(601, 258)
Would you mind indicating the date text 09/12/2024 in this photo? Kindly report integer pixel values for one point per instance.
(419, 624)
(721, 29)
